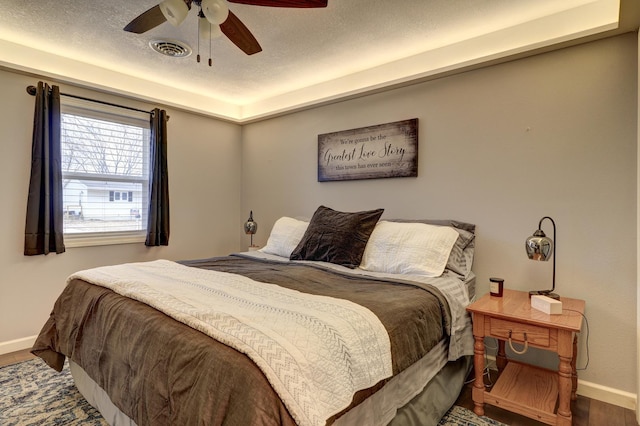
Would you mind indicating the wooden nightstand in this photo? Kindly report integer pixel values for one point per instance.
(522, 388)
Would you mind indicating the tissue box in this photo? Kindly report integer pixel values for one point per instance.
(546, 304)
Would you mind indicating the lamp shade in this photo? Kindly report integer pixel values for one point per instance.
(216, 11)
(539, 246)
(204, 29)
(174, 10)
(216, 32)
(250, 226)
(207, 31)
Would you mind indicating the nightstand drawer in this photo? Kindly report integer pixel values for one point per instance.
(503, 330)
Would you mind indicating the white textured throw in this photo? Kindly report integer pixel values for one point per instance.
(315, 351)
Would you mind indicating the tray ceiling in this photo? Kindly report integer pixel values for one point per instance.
(309, 56)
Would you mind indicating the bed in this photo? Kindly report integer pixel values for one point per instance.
(327, 324)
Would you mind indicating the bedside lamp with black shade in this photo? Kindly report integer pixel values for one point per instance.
(541, 247)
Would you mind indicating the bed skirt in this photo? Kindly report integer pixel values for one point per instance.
(419, 404)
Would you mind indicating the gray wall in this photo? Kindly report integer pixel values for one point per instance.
(574, 111)
(503, 146)
(204, 175)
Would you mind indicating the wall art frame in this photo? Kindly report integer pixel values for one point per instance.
(374, 152)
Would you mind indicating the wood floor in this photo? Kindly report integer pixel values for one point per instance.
(14, 357)
(586, 412)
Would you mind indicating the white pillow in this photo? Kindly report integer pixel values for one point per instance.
(285, 236)
(408, 248)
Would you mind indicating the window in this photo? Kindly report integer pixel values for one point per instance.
(105, 156)
(124, 196)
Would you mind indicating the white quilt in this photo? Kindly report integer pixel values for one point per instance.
(316, 351)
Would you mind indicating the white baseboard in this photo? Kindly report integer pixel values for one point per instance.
(17, 345)
(609, 395)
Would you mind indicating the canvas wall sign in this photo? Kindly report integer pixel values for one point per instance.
(380, 151)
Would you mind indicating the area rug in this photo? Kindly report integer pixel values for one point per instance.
(460, 416)
(33, 394)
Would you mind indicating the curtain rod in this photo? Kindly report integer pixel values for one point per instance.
(32, 91)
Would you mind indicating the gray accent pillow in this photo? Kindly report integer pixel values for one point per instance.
(337, 237)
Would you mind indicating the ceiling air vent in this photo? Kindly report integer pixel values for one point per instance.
(175, 49)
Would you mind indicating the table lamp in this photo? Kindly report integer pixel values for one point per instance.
(541, 247)
(250, 227)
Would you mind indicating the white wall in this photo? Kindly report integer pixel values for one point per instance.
(501, 147)
(204, 175)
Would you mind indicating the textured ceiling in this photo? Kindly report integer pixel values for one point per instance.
(309, 55)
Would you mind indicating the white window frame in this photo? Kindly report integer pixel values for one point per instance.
(96, 110)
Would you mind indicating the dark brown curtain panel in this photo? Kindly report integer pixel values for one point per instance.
(158, 224)
(43, 230)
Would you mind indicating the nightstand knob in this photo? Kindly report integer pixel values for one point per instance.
(524, 349)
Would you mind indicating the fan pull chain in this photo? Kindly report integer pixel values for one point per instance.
(210, 37)
(199, 23)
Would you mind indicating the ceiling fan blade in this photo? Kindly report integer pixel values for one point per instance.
(240, 35)
(283, 3)
(146, 21)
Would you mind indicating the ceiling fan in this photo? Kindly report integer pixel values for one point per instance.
(217, 13)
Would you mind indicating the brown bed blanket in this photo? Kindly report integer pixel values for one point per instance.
(159, 371)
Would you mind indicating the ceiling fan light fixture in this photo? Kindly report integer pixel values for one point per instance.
(216, 11)
(204, 29)
(174, 10)
(207, 31)
(216, 32)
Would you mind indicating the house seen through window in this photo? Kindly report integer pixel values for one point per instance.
(105, 154)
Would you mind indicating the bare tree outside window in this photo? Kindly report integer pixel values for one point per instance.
(103, 163)
(100, 147)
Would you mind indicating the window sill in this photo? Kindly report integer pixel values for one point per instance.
(88, 240)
